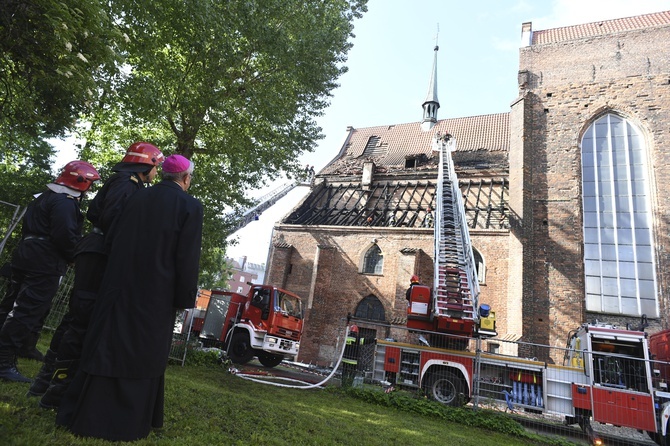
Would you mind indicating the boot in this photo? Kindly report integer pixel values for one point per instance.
(62, 377)
(43, 377)
(8, 370)
(29, 349)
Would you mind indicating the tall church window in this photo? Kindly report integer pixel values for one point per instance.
(373, 261)
(619, 265)
(370, 308)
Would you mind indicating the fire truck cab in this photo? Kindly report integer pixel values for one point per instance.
(267, 323)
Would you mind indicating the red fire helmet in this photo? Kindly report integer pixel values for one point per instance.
(414, 279)
(78, 175)
(144, 153)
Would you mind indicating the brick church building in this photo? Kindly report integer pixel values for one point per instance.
(564, 197)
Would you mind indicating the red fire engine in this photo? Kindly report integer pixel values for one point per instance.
(607, 376)
(266, 323)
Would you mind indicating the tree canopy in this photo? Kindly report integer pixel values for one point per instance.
(54, 57)
(235, 86)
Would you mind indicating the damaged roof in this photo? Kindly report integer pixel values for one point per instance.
(390, 146)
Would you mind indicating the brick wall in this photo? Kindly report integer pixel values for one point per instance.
(324, 265)
(493, 246)
(564, 87)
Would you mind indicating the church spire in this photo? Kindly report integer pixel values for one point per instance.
(431, 104)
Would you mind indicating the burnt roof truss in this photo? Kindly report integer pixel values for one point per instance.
(400, 204)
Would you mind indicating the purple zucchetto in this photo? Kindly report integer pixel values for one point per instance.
(176, 164)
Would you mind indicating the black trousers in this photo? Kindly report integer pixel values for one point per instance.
(32, 294)
(69, 337)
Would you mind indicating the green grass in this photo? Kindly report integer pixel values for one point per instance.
(206, 405)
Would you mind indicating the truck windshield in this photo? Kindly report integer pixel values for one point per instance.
(288, 304)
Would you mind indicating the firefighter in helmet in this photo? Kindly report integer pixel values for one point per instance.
(135, 171)
(414, 280)
(429, 219)
(351, 355)
(52, 226)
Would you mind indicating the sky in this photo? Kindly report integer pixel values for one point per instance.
(391, 61)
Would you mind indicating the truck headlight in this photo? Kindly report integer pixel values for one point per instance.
(272, 340)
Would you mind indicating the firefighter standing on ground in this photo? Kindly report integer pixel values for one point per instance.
(351, 355)
(136, 170)
(52, 227)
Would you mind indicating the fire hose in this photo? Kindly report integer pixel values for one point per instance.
(255, 376)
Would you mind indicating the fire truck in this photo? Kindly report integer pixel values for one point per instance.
(266, 323)
(606, 374)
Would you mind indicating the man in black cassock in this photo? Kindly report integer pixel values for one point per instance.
(152, 271)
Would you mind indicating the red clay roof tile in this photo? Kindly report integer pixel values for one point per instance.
(392, 144)
(604, 27)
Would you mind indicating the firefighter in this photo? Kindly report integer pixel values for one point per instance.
(429, 219)
(414, 280)
(351, 355)
(136, 170)
(52, 226)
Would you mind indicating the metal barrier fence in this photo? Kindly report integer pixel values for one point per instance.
(181, 337)
(10, 215)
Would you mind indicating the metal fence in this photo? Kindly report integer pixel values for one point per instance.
(10, 216)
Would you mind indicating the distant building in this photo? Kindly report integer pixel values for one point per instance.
(563, 194)
(244, 272)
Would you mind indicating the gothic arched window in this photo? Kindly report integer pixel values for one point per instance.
(479, 266)
(370, 308)
(619, 268)
(373, 262)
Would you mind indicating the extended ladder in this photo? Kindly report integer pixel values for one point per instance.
(243, 218)
(456, 289)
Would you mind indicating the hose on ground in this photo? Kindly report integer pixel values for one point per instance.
(254, 378)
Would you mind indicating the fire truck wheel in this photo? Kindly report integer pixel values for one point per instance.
(446, 388)
(269, 360)
(240, 351)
